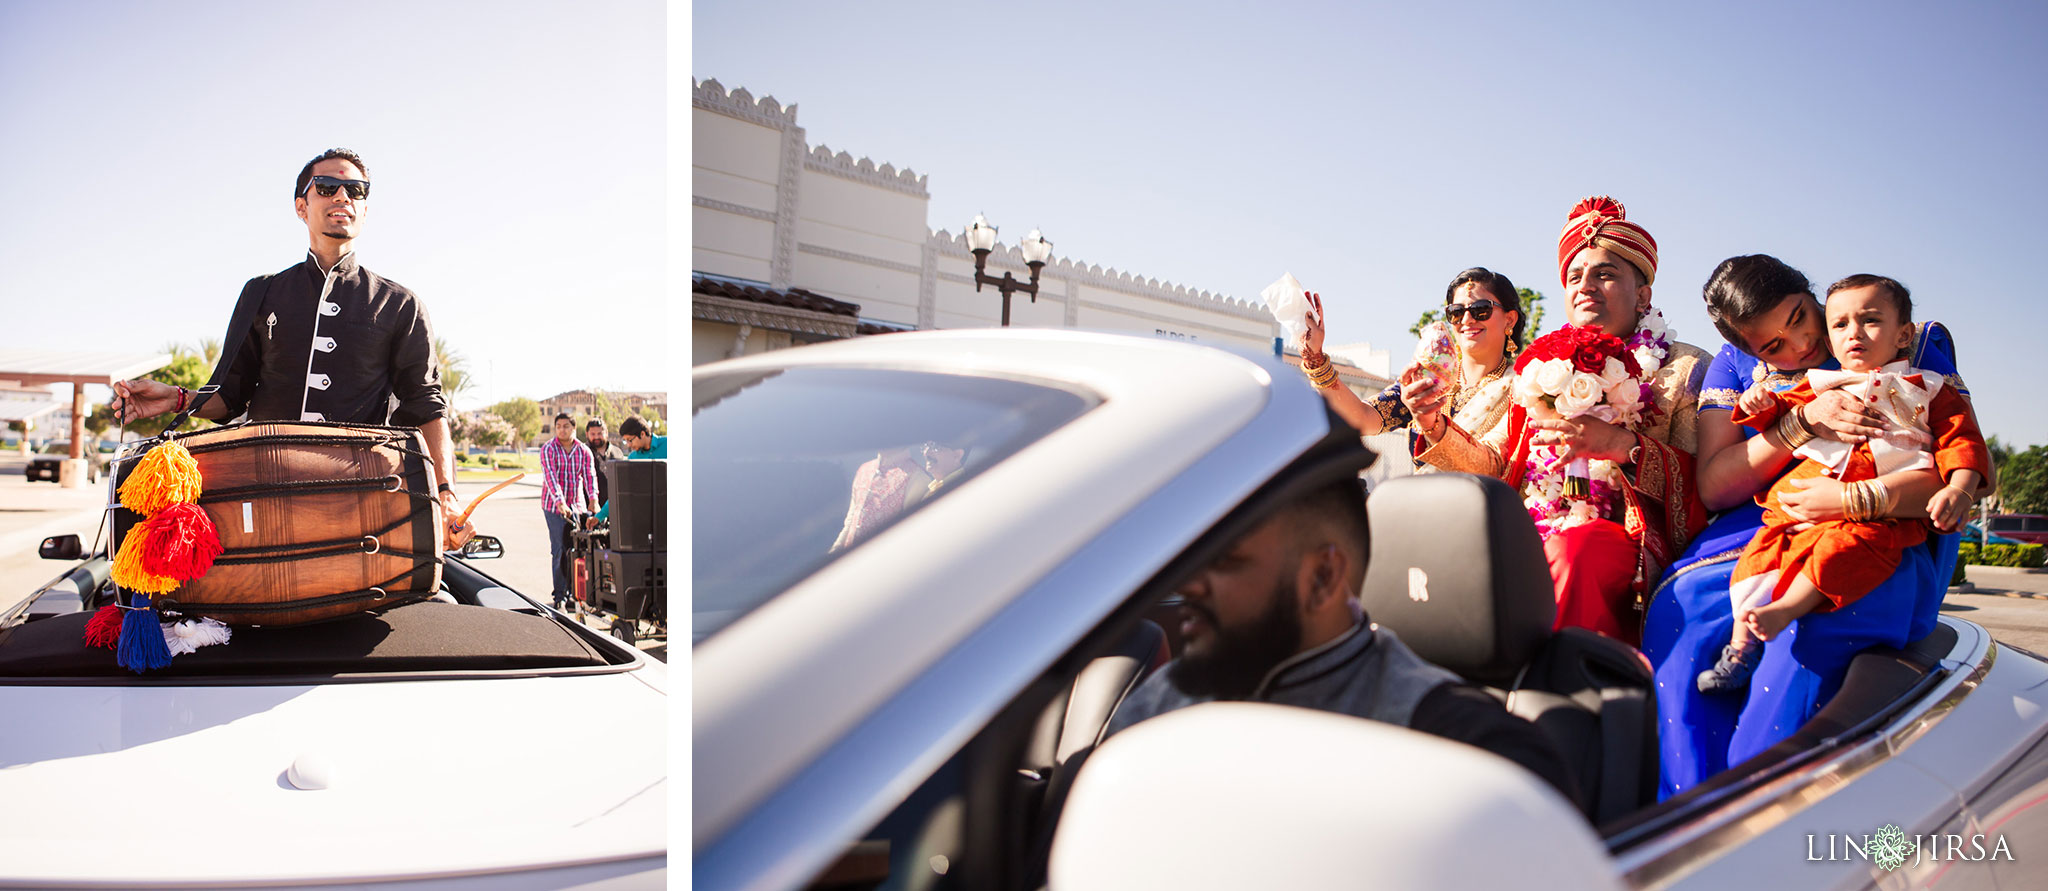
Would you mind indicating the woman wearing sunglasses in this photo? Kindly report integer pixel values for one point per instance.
(1774, 326)
(1461, 426)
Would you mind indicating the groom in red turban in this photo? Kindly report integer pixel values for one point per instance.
(1605, 567)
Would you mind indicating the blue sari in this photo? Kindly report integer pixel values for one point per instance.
(1689, 618)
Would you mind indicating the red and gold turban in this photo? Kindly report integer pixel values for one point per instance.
(1602, 222)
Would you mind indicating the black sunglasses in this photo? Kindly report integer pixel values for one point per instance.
(358, 189)
(1481, 310)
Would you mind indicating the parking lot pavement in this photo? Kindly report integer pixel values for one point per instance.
(2011, 604)
(30, 512)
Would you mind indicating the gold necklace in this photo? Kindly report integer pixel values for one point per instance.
(1459, 394)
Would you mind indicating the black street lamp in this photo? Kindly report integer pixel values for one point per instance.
(981, 238)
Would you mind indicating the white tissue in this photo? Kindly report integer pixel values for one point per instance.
(1289, 303)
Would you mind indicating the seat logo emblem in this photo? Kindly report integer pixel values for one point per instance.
(1418, 585)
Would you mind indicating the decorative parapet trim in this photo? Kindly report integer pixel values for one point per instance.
(863, 259)
(907, 181)
(735, 209)
(927, 287)
(787, 184)
(1110, 279)
(712, 96)
(1072, 318)
(778, 318)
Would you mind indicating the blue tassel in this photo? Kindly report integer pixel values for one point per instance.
(142, 638)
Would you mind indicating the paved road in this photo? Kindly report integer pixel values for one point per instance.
(2013, 606)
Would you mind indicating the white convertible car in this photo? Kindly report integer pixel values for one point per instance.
(929, 565)
(478, 740)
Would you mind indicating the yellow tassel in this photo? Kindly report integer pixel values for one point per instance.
(165, 476)
(128, 571)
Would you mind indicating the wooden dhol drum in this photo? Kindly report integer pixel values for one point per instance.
(316, 521)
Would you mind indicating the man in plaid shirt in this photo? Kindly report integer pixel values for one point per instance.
(568, 482)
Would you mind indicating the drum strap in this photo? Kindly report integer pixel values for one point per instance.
(392, 483)
(367, 543)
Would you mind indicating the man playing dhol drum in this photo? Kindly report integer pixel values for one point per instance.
(329, 340)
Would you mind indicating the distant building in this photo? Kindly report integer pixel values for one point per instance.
(584, 402)
(794, 243)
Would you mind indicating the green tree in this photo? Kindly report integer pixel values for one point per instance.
(652, 419)
(191, 367)
(1532, 306)
(454, 368)
(2023, 482)
(608, 411)
(524, 416)
(1428, 316)
(493, 432)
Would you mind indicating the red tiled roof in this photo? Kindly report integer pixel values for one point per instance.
(794, 298)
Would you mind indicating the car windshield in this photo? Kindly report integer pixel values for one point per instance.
(793, 467)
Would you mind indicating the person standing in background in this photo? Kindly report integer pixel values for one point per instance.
(568, 483)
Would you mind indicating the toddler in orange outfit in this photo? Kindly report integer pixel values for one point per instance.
(1788, 571)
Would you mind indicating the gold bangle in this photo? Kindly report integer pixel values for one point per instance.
(1865, 501)
(1323, 376)
(1792, 430)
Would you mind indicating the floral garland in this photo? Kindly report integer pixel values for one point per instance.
(1543, 488)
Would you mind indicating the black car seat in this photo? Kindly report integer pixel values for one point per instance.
(1072, 725)
(1458, 572)
(1074, 721)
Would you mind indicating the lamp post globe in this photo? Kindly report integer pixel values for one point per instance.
(981, 240)
(981, 237)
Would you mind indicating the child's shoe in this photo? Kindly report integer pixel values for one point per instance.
(1738, 662)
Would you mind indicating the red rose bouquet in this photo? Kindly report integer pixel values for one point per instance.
(1582, 370)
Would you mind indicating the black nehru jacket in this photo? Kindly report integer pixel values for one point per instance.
(362, 355)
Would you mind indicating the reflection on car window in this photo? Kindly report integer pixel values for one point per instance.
(794, 467)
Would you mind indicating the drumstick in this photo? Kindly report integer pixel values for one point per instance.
(463, 520)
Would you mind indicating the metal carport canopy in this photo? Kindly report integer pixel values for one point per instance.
(36, 367)
(42, 367)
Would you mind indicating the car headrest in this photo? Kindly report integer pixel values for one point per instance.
(1457, 570)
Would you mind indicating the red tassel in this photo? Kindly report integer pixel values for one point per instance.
(104, 629)
(182, 542)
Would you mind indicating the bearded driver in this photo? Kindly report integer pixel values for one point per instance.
(1276, 619)
(1605, 565)
(331, 341)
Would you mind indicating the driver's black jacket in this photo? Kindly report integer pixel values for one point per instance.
(341, 345)
(1369, 673)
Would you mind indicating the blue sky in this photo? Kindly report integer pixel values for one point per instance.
(518, 151)
(1376, 149)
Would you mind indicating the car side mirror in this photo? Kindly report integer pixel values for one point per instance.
(61, 547)
(482, 547)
